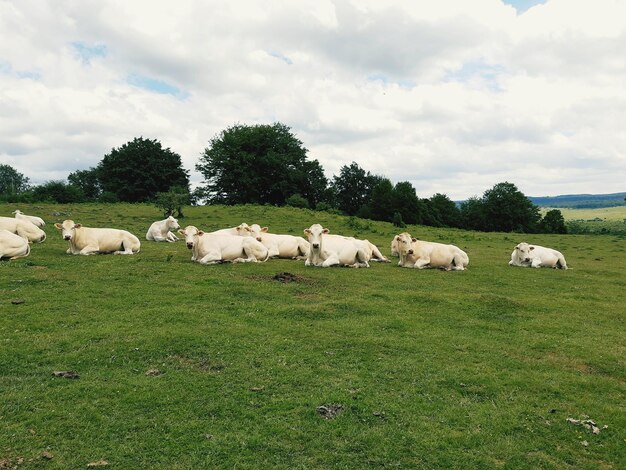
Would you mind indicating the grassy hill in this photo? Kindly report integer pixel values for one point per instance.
(581, 201)
(188, 366)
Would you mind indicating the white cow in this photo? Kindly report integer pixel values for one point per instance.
(23, 228)
(394, 247)
(90, 241)
(334, 250)
(38, 221)
(280, 246)
(536, 256)
(160, 231)
(421, 254)
(211, 248)
(13, 246)
(241, 230)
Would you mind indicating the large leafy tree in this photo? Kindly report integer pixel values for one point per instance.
(445, 210)
(259, 164)
(507, 209)
(382, 203)
(139, 170)
(553, 222)
(12, 181)
(87, 181)
(353, 188)
(406, 203)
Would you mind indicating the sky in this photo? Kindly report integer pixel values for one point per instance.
(453, 96)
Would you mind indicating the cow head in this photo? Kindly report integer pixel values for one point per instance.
(172, 223)
(314, 234)
(191, 234)
(257, 231)
(68, 229)
(404, 244)
(524, 252)
(17, 211)
(243, 230)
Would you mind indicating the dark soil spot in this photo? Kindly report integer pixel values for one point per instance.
(329, 411)
(66, 374)
(17, 301)
(288, 277)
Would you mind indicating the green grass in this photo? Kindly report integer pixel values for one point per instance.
(617, 214)
(474, 369)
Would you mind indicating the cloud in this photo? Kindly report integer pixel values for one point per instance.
(453, 96)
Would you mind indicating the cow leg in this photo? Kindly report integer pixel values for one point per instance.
(536, 263)
(332, 260)
(171, 237)
(377, 255)
(458, 263)
(211, 258)
(127, 250)
(422, 263)
(89, 250)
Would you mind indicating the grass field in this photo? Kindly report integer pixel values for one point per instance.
(617, 213)
(188, 366)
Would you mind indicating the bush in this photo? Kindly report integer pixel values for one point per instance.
(296, 200)
(397, 220)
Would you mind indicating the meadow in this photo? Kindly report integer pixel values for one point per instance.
(179, 365)
(596, 221)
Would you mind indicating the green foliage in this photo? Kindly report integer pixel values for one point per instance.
(12, 181)
(260, 164)
(406, 203)
(296, 200)
(397, 220)
(57, 191)
(173, 201)
(88, 181)
(140, 169)
(353, 188)
(508, 210)
(475, 369)
(382, 201)
(473, 214)
(445, 211)
(553, 222)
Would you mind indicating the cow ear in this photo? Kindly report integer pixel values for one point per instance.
(77, 225)
(532, 247)
(264, 229)
(325, 231)
(397, 238)
(182, 232)
(59, 226)
(200, 233)
(307, 231)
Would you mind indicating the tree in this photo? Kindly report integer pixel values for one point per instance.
(508, 210)
(445, 210)
(173, 200)
(259, 164)
(11, 181)
(58, 191)
(353, 188)
(88, 181)
(473, 214)
(382, 201)
(139, 170)
(553, 222)
(407, 203)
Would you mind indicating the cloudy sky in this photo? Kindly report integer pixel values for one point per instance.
(451, 95)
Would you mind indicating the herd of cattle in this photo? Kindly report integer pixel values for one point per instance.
(252, 243)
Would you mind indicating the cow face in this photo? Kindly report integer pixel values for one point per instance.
(243, 230)
(257, 231)
(191, 235)
(524, 252)
(404, 244)
(314, 234)
(172, 223)
(68, 229)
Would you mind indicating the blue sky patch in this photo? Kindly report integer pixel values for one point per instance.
(86, 52)
(522, 5)
(156, 86)
(7, 69)
(280, 56)
(477, 71)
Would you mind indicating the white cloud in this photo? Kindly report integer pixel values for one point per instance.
(453, 95)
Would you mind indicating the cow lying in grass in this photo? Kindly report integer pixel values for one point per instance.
(90, 241)
(421, 254)
(160, 231)
(13, 246)
(23, 228)
(335, 250)
(211, 248)
(536, 256)
(33, 219)
(280, 246)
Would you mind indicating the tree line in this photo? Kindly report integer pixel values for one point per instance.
(267, 164)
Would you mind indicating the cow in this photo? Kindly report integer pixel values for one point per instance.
(38, 221)
(241, 230)
(23, 228)
(394, 247)
(211, 248)
(13, 246)
(334, 250)
(536, 256)
(160, 231)
(90, 241)
(280, 246)
(421, 254)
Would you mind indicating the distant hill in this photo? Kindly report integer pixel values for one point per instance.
(581, 201)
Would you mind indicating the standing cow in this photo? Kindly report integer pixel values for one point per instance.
(90, 241)
(160, 231)
(421, 254)
(536, 256)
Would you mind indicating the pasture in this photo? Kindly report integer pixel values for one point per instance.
(187, 366)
